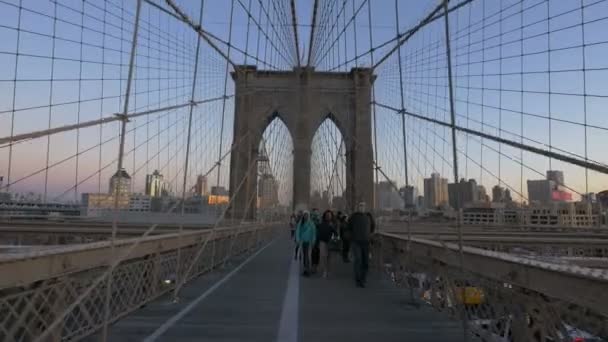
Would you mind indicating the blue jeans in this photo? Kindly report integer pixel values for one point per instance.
(361, 263)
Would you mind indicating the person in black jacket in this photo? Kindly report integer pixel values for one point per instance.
(325, 231)
(361, 225)
(345, 236)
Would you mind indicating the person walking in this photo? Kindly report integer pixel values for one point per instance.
(306, 235)
(325, 232)
(345, 236)
(315, 253)
(292, 224)
(361, 224)
(298, 218)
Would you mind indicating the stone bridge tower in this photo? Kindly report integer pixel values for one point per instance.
(303, 99)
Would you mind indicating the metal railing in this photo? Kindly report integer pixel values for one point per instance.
(39, 288)
(499, 296)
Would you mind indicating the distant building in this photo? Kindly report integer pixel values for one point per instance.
(589, 197)
(420, 201)
(462, 193)
(155, 184)
(602, 198)
(557, 214)
(120, 182)
(501, 195)
(200, 188)
(409, 194)
(97, 204)
(482, 195)
(219, 191)
(556, 176)
(315, 199)
(140, 203)
(541, 191)
(324, 199)
(338, 203)
(4, 196)
(435, 191)
(268, 191)
(387, 197)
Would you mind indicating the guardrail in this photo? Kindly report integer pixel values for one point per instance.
(496, 294)
(39, 288)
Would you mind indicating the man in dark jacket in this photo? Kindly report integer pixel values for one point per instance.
(361, 225)
(345, 236)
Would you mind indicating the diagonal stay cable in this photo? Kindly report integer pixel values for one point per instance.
(555, 155)
(115, 262)
(84, 124)
(198, 28)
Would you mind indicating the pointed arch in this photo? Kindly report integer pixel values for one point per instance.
(328, 164)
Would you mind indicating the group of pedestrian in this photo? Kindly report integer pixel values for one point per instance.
(317, 237)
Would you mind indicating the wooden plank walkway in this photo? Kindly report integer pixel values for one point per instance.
(260, 301)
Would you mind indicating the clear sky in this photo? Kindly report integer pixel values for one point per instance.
(72, 66)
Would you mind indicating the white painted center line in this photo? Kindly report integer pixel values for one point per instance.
(171, 321)
(288, 325)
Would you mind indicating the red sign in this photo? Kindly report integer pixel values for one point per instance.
(559, 195)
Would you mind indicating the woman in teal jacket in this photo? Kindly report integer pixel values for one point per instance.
(306, 235)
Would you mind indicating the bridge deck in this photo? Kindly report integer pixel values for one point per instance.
(262, 298)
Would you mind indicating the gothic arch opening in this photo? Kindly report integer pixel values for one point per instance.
(328, 167)
(274, 169)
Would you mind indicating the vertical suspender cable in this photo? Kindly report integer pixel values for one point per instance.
(371, 47)
(188, 142)
(454, 154)
(294, 23)
(409, 230)
(219, 155)
(312, 31)
(121, 152)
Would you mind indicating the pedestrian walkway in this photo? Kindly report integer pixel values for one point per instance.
(262, 298)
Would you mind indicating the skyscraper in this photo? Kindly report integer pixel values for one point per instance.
(435, 191)
(499, 194)
(540, 190)
(482, 194)
(268, 191)
(387, 197)
(557, 176)
(155, 184)
(120, 182)
(201, 186)
(409, 194)
(462, 193)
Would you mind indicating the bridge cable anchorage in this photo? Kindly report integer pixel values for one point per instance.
(294, 21)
